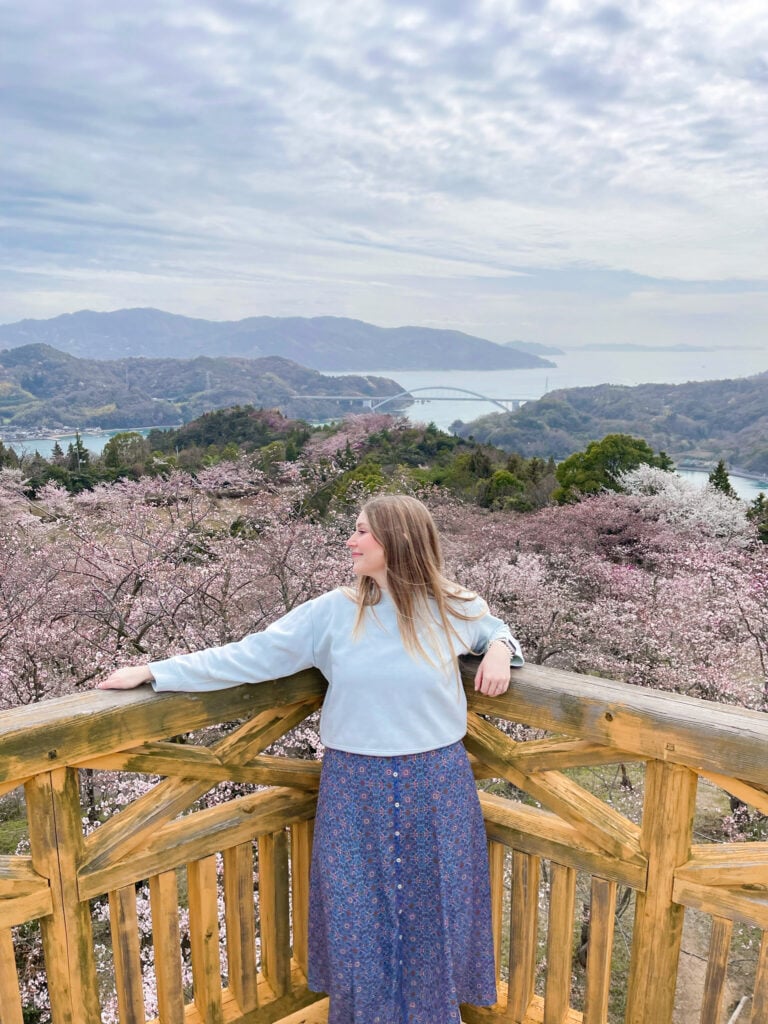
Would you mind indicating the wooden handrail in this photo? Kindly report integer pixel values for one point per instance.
(540, 845)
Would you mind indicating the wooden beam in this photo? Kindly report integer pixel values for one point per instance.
(542, 834)
(755, 796)
(64, 731)
(200, 835)
(134, 826)
(729, 864)
(738, 904)
(600, 824)
(652, 724)
(260, 771)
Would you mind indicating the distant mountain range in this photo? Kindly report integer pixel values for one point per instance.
(696, 423)
(323, 343)
(43, 388)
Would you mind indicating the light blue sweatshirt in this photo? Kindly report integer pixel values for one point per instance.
(381, 699)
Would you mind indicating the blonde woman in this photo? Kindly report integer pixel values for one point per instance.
(400, 927)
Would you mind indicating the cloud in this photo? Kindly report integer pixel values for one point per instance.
(377, 159)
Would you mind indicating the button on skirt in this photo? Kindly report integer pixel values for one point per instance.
(399, 916)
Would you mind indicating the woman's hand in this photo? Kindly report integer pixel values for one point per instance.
(126, 678)
(492, 676)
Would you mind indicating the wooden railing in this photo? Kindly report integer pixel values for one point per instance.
(549, 838)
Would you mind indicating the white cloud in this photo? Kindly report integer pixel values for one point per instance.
(389, 160)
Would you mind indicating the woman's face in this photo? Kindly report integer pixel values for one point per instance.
(367, 554)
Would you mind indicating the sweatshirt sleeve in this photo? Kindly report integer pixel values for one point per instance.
(488, 628)
(285, 647)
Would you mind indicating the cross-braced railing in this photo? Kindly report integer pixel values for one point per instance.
(565, 858)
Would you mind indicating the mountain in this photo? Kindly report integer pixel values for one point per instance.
(323, 343)
(41, 387)
(696, 423)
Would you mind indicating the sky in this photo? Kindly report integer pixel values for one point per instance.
(556, 172)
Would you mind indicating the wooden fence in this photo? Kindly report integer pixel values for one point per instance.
(552, 828)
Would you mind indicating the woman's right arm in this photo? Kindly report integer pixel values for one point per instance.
(285, 647)
(126, 678)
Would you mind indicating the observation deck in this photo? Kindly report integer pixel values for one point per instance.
(592, 882)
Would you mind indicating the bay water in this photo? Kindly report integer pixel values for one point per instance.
(441, 396)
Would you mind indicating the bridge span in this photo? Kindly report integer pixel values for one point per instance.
(376, 402)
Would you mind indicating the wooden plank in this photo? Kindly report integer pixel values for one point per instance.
(301, 861)
(496, 856)
(166, 940)
(204, 939)
(274, 923)
(755, 796)
(240, 918)
(542, 834)
(557, 754)
(602, 911)
(535, 1014)
(18, 909)
(670, 798)
(717, 966)
(8, 787)
(760, 995)
(54, 815)
(596, 821)
(66, 730)
(261, 771)
(201, 834)
(523, 934)
(729, 864)
(649, 723)
(10, 997)
(748, 905)
(124, 927)
(273, 1012)
(18, 877)
(562, 902)
(134, 826)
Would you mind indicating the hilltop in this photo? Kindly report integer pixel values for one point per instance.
(696, 423)
(42, 387)
(323, 343)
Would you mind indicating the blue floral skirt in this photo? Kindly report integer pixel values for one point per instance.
(399, 916)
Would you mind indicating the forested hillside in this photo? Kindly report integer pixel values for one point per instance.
(43, 387)
(696, 423)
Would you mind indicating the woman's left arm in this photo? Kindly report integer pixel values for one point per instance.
(493, 673)
(501, 653)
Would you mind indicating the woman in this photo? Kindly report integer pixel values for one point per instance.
(400, 898)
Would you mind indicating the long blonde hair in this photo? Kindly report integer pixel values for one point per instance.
(406, 531)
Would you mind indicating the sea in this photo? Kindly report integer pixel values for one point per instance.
(442, 396)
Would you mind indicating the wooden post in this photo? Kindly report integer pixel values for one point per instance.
(10, 1000)
(496, 865)
(240, 917)
(56, 840)
(670, 797)
(301, 858)
(274, 911)
(523, 934)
